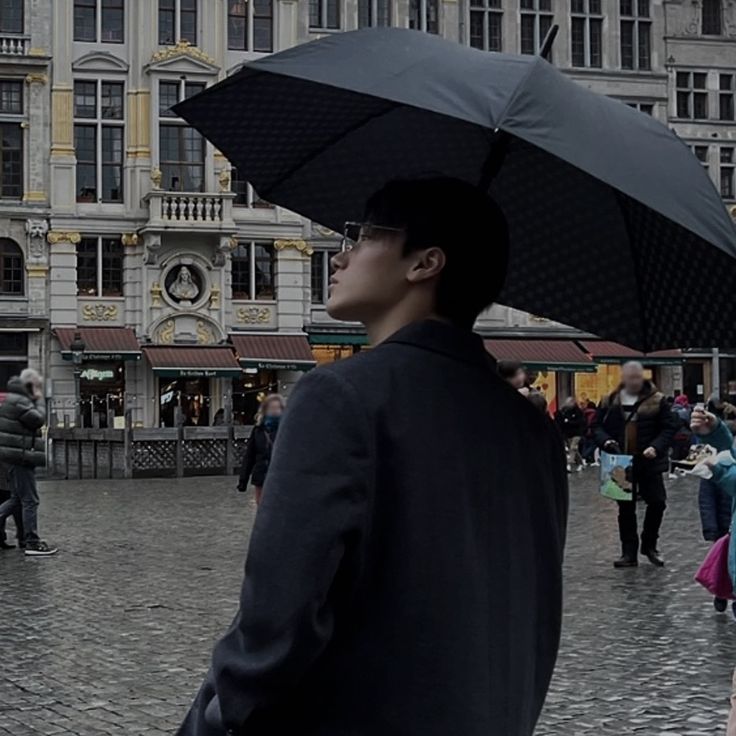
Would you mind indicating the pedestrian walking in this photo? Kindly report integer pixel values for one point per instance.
(405, 567)
(589, 449)
(257, 456)
(571, 421)
(636, 420)
(22, 415)
(5, 494)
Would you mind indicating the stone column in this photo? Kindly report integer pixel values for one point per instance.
(290, 286)
(36, 140)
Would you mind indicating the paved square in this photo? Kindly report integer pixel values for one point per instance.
(113, 635)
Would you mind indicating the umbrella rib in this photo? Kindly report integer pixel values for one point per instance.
(335, 139)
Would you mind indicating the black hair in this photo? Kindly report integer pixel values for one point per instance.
(507, 369)
(537, 400)
(461, 220)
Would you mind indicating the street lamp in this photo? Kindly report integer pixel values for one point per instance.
(77, 347)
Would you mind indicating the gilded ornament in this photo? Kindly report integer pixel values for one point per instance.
(214, 297)
(224, 179)
(182, 48)
(60, 236)
(253, 315)
(129, 239)
(99, 312)
(155, 294)
(156, 177)
(299, 245)
(166, 332)
(36, 78)
(204, 334)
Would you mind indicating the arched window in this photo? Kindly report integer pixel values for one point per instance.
(11, 268)
(712, 18)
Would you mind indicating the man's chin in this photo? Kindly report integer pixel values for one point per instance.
(342, 312)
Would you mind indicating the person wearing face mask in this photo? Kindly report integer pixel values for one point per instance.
(260, 445)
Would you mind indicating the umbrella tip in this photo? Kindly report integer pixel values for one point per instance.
(546, 47)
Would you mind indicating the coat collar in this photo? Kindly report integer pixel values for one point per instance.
(440, 337)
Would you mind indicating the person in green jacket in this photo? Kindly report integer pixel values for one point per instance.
(22, 415)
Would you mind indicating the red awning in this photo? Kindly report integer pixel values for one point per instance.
(613, 352)
(193, 361)
(551, 355)
(101, 343)
(274, 351)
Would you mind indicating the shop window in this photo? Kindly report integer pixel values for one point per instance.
(99, 21)
(254, 271)
(636, 35)
(587, 33)
(250, 25)
(181, 147)
(98, 140)
(11, 16)
(321, 271)
(486, 25)
(332, 353)
(177, 21)
(245, 194)
(102, 394)
(11, 269)
(187, 398)
(13, 356)
(536, 20)
(324, 14)
(249, 391)
(424, 15)
(373, 13)
(100, 267)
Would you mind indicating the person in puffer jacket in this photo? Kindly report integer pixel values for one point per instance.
(22, 415)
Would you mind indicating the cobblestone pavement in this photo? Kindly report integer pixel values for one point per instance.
(112, 636)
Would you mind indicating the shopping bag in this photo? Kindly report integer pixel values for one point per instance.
(713, 573)
(617, 481)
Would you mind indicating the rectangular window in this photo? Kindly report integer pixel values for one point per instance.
(424, 15)
(324, 14)
(11, 97)
(245, 194)
(321, 270)
(725, 96)
(486, 22)
(11, 16)
(98, 140)
(99, 21)
(727, 161)
(253, 273)
(691, 95)
(100, 267)
(374, 13)
(181, 148)
(701, 153)
(636, 29)
(250, 25)
(646, 107)
(535, 22)
(11, 282)
(11, 161)
(712, 17)
(586, 33)
(177, 21)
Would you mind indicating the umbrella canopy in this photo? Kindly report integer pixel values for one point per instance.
(615, 227)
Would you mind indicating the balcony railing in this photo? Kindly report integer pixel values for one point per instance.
(11, 45)
(191, 210)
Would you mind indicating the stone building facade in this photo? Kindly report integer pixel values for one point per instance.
(118, 222)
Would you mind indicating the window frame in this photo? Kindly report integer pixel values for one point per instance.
(485, 10)
(719, 16)
(250, 17)
(177, 27)
(100, 123)
(420, 18)
(728, 95)
(542, 20)
(590, 20)
(251, 260)
(323, 256)
(692, 94)
(373, 14)
(13, 120)
(321, 20)
(98, 9)
(638, 22)
(14, 252)
(20, 4)
(99, 256)
(172, 121)
(728, 167)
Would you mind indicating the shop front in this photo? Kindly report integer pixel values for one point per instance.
(550, 364)
(191, 382)
(99, 357)
(331, 346)
(271, 363)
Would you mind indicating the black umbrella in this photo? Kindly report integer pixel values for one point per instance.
(615, 227)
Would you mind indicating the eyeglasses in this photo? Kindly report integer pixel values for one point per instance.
(356, 232)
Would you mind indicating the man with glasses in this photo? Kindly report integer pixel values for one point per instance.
(404, 571)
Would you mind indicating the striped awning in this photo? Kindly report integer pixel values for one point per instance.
(193, 361)
(611, 352)
(100, 343)
(550, 355)
(273, 351)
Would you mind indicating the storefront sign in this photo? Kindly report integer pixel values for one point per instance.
(94, 374)
(88, 357)
(264, 365)
(197, 373)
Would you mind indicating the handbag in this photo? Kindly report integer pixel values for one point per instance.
(713, 574)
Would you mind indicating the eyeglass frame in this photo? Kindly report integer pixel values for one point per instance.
(349, 243)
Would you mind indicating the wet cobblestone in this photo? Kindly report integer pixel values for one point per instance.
(113, 635)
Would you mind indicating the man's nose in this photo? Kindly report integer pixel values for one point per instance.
(339, 260)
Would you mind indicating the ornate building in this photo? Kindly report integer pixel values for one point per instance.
(189, 292)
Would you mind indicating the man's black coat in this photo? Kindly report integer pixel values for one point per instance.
(404, 575)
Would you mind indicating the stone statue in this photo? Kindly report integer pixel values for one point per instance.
(184, 287)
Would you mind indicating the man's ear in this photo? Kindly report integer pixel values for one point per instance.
(426, 264)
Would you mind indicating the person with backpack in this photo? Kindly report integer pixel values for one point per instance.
(257, 456)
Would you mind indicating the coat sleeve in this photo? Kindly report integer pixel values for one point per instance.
(33, 414)
(724, 476)
(309, 529)
(720, 438)
(668, 426)
(249, 461)
(597, 426)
